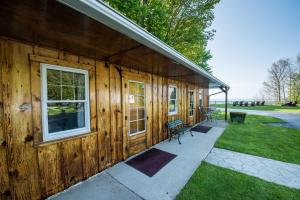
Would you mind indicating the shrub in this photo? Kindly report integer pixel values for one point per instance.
(237, 117)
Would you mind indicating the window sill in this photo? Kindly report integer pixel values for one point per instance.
(137, 133)
(175, 113)
(51, 142)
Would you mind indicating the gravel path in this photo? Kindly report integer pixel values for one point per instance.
(282, 173)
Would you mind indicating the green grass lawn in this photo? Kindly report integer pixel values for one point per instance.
(210, 182)
(256, 138)
(266, 107)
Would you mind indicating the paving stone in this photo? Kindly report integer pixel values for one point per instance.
(282, 173)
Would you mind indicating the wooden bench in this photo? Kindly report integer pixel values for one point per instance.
(176, 127)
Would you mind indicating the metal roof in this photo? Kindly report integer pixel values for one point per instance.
(105, 14)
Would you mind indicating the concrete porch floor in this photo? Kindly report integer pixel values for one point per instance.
(124, 182)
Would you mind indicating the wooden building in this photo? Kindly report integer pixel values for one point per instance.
(82, 88)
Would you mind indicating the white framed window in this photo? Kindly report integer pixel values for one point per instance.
(172, 104)
(137, 110)
(65, 101)
(192, 104)
(200, 98)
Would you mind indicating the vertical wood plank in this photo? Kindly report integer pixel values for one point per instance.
(72, 161)
(36, 101)
(92, 86)
(155, 120)
(5, 192)
(165, 108)
(149, 110)
(90, 151)
(50, 160)
(90, 155)
(22, 161)
(103, 113)
(116, 116)
(113, 121)
(119, 121)
(161, 105)
(125, 112)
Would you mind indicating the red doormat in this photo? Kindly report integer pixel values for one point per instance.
(151, 161)
(202, 129)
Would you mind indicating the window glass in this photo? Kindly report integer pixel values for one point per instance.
(68, 93)
(140, 88)
(133, 127)
(140, 101)
(141, 125)
(53, 77)
(133, 113)
(79, 80)
(79, 93)
(172, 104)
(65, 101)
(67, 78)
(191, 110)
(54, 92)
(132, 88)
(172, 92)
(141, 113)
(137, 107)
(65, 116)
(201, 98)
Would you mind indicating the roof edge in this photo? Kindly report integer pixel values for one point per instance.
(105, 14)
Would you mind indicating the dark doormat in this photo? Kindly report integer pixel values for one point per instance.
(202, 129)
(151, 161)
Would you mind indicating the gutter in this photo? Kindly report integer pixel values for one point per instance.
(103, 13)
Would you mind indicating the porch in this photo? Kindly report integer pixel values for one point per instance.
(124, 182)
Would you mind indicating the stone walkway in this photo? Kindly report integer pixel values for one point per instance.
(270, 170)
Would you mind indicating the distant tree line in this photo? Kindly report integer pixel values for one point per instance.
(182, 24)
(283, 83)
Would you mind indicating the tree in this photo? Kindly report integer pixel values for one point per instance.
(295, 88)
(298, 62)
(294, 92)
(277, 80)
(182, 24)
(283, 82)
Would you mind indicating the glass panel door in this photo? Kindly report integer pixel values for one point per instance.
(137, 113)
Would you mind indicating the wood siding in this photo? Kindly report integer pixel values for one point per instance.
(33, 169)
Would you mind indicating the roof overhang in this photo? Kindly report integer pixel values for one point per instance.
(103, 13)
(93, 29)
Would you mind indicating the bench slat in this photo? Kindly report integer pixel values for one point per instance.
(174, 123)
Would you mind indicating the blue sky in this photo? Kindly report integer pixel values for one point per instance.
(251, 35)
